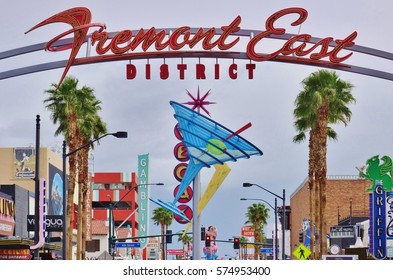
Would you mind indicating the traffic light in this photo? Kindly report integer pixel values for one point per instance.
(203, 233)
(207, 241)
(236, 243)
(168, 236)
(300, 237)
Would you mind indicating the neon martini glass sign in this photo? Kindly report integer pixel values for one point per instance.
(208, 143)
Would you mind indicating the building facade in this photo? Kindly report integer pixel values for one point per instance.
(17, 173)
(118, 191)
(345, 198)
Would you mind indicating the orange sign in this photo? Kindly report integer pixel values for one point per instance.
(247, 231)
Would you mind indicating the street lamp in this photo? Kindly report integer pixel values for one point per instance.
(275, 221)
(283, 211)
(111, 230)
(119, 134)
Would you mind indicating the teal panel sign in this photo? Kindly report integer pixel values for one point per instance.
(143, 198)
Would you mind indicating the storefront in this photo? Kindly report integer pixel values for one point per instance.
(7, 215)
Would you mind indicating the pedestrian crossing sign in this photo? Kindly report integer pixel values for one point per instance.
(301, 252)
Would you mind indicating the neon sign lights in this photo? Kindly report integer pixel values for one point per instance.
(126, 45)
(379, 222)
(200, 71)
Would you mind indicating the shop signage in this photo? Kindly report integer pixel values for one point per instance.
(175, 252)
(7, 214)
(7, 227)
(52, 223)
(342, 232)
(247, 231)
(7, 207)
(15, 254)
(154, 43)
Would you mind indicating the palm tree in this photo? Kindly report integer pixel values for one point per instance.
(186, 241)
(257, 214)
(164, 218)
(99, 128)
(65, 102)
(90, 126)
(324, 100)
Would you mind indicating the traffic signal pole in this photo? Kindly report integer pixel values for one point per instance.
(196, 223)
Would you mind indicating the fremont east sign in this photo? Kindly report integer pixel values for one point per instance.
(185, 41)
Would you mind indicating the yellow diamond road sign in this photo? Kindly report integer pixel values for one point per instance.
(301, 252)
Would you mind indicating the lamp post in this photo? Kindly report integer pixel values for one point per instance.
(119, 134)
(283, 211)
(112, 205)
(37, 224)
(275, 221)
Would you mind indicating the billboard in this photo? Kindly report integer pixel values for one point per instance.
(55, 191)
(25, 162)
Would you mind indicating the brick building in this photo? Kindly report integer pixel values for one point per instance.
(345, 197)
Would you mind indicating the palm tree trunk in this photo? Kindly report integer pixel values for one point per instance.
(71, 184)
(79, 224)
(80, 199)
(324, 116)
(321, 175)
(311, 174)
(317, 219)
(257, 240)
(184, 250)
(70, 207)
(84, 224)
(85, 175)
(162, 241)
(317, 193)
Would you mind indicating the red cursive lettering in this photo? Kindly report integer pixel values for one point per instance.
(125, 41)
(79, 18)
(300, 50)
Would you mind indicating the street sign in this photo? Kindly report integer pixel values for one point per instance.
(301, 252)
(128, 245)
(267, 250)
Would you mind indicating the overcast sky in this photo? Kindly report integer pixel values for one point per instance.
(142, 108)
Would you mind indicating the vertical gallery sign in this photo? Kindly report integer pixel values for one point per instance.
(378, 226)
(89, 209)
(143, 198)
(380, 204)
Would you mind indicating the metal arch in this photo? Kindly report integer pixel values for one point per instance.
(187, 54)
